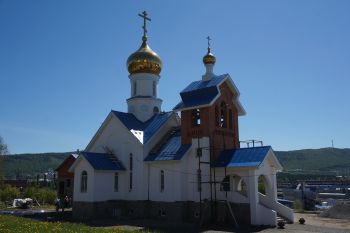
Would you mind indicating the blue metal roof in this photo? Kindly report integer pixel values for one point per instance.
(200, 92)
(171, 150)
(149, 127)
(197, 85)
(243, 157)
(102, 161)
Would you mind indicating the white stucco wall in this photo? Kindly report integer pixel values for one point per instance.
(83, 165)
(143, 108)
(122, 142)
(172, 181)
(104, 186)
(191, 165)
(146, 86)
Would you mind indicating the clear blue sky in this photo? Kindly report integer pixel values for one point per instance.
(62, 66)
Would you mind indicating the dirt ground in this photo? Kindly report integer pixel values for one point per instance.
(313, 223)
(315, 220)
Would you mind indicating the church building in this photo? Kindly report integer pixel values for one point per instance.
(180, 165)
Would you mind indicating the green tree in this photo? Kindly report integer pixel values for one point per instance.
(3, 147)
(3, 151)
(8, 193)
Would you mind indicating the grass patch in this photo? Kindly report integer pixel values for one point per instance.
(9, 224)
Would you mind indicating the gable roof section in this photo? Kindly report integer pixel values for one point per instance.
(149, 127)
(200, 92)
(243, 157)
(172, 149)
(103, 162)
(204, 93)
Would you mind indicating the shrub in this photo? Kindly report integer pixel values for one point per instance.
(298, 205)
(42, 195)
(261, 188)
(9, 193)
(49, 196)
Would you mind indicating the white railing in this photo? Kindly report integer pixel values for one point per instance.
(266, 216)
(282, 210)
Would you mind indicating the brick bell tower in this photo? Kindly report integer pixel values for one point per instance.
(210, 108)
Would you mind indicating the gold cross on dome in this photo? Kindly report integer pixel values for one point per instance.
(145, 18)
(209, 39)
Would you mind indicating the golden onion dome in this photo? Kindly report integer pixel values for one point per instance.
(144, 60)
(209, 58)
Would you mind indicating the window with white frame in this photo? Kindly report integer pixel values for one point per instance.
(83, 182)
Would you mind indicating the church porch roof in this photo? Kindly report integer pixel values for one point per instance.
(243, 157)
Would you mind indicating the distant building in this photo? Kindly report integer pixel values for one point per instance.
(65, 178)
(146, 163)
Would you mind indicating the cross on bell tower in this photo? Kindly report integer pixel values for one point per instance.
(209, 39)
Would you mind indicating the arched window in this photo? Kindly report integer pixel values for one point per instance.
(154, 88)
(230, 125)
(242, 187)
(217, 118)
(196, 117)
(83, 182)
(116, 182)
(155, 109)
(262, 184)
(162, 181)
(223, 115)
(130, 171)
(225, 184)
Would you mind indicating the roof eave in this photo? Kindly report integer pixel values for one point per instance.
(109, 170)
(240, 108)
(76, 162)
(278, 165)
(99, 131)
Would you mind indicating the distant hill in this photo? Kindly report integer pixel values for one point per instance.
(311, 161)
(315, 160)
(29, 165)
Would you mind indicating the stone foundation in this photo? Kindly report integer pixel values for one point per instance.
(168, 211)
